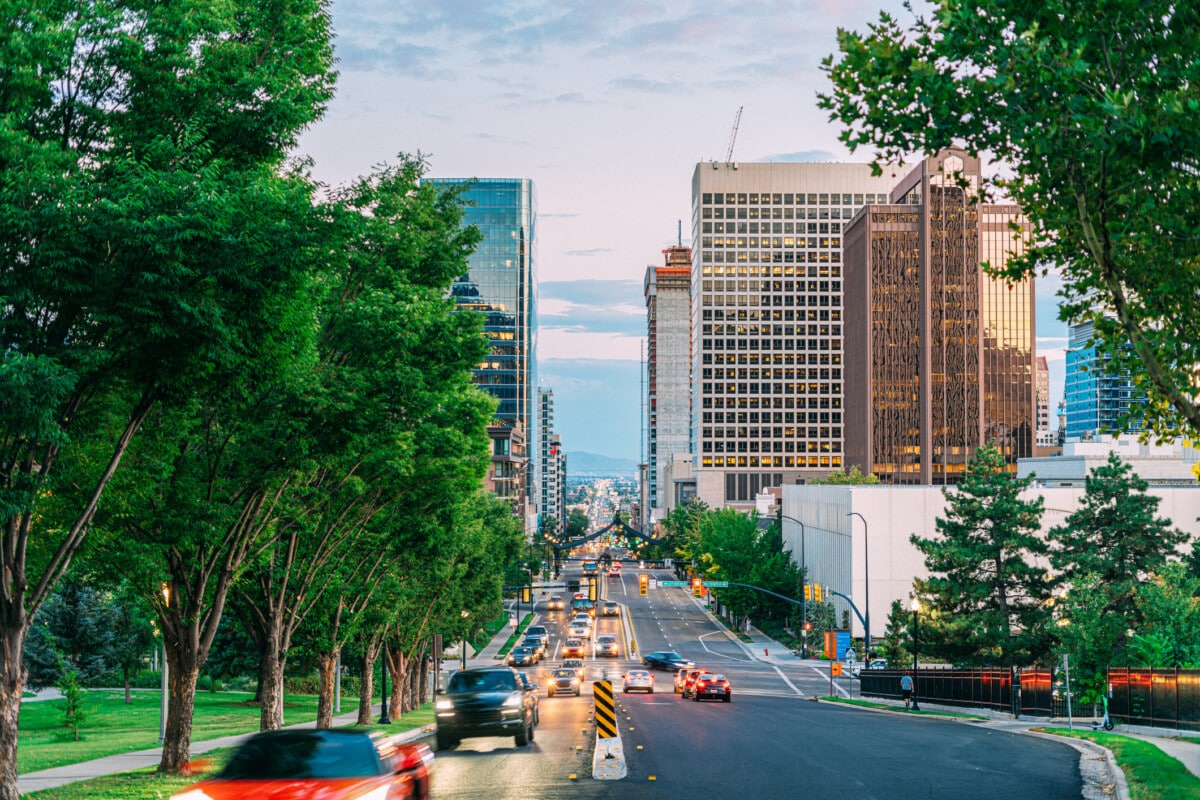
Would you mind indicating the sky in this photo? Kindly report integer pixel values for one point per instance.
(607, 107)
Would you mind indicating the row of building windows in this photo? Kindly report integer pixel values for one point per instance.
(768, 374)
(798, 462)
(766, 388)
(789, 198)
(770, 447)
(769, 271)
(811, 228)
(767, 417)
(790, 401)
(780, 433)
(720, 256)
(767, 330)
(767, 359)
(772, 344)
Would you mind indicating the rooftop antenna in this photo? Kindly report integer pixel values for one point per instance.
(733, 135)
(679, 233)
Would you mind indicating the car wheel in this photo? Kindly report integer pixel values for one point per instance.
(524, 736)
(550, 692)
(625, 691)
(729, 697)
(696, 698)
(446, 741)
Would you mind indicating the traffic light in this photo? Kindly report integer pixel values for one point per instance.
(807, 627)
(697, 587)
(526, 593)
(808, 591)
(817, 592)
(643, 584)
(592, 589)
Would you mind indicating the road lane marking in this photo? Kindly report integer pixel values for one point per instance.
(789, 683)
(722, 655)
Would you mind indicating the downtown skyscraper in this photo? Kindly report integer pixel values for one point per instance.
(940, 356)
(668, 293)
(501, 284)
(767, 354)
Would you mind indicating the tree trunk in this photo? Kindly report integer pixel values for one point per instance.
(367, 685)
(185, 670)
(398, 666)
(326, 685)
(273, 659)
(12, 684)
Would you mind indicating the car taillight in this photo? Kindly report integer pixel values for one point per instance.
(726, 684)
(699, 684)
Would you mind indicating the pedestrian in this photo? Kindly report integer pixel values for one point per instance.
(906, 689)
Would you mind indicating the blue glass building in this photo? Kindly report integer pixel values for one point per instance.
(1094, 398)
(502, 285)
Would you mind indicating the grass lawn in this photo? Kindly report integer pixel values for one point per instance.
(1150, 773)
(516, 637)
(900, 709)
(146, 784)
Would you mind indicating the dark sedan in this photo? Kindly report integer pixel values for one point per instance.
(522, 657)
(666, 660)
(564, 681)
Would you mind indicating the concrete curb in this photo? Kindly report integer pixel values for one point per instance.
(1115, 776)
(608, 760)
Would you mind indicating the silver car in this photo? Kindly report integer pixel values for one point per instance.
(608, 646)
(639, 680)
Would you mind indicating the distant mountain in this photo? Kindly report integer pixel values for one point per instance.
(603, 466)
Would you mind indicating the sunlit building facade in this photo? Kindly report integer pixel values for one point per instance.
(1096, 399)
(668, 293)
(501, 284)
(767, 371)
(939, 356)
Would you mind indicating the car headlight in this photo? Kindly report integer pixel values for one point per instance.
(445, 704)
(513, 701)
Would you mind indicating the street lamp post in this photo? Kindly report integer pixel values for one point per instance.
(916, 608)
(866, 583)
(383, 706)
(804, 574)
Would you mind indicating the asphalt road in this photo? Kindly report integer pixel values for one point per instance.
(771, 741)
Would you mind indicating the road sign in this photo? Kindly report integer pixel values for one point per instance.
(716, 584)
(673, 583)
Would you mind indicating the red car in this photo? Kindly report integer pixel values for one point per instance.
(712, 687)
(330, 764)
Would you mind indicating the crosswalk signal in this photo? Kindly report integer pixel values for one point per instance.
(808, 591)
(697, 587)
(643, 585)
(817, 592)
(526, 594)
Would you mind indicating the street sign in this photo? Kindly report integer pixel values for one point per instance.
(673, 583)
(716, 584)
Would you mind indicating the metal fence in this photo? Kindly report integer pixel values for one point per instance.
(979, 687)
(1164, 698)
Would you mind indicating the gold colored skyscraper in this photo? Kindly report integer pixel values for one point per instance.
(939, 356)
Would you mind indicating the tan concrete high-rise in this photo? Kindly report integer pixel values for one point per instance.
(767, 321)
(940, 357)
(668, 292)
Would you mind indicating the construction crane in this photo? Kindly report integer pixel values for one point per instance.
(733, 135)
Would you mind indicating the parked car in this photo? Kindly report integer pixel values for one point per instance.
(876, 663)
(639, 680)
(333, 764)
(712, 687)
(564, 681)
(555, 603)
(607, 645)
(522, 657)
(611, 609)
(577, 665)
(490, 701)
(666, 660)
(573, 648)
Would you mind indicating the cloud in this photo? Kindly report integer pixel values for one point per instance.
(542, 216)
(594, 251)
(564, 343)
(647, 86)
(597, 404)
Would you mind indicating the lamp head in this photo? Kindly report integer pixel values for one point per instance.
(916, 604)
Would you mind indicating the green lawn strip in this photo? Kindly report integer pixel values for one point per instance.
(489, 631)
(1150, 773)
(516, 637)
(888, 707)
(113, 727)
(146, 784)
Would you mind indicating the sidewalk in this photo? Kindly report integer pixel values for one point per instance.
(143, 759)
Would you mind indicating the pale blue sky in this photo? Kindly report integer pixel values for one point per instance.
(607, 107)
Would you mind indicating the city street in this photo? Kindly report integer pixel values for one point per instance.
(768, 741)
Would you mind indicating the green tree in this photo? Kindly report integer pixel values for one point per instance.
(985, 579)
(577, 524)
(73, 631)
(1114, 537)
(1169, 634)
(75, 713)
(850, 477)
(143, 149)
(1094, 113)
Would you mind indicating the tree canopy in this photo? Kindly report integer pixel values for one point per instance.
(1093, 110)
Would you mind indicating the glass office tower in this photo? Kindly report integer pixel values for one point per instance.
(501, 284)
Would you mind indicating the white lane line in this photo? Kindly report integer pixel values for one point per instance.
(789, 683)
(715, 653)
(837, 685)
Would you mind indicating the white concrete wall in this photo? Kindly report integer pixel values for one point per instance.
(836, 550)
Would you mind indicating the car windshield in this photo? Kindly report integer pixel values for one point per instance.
(670, 656)
(281, 755)
(605, 639)
(482, 682)
(564, 673)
